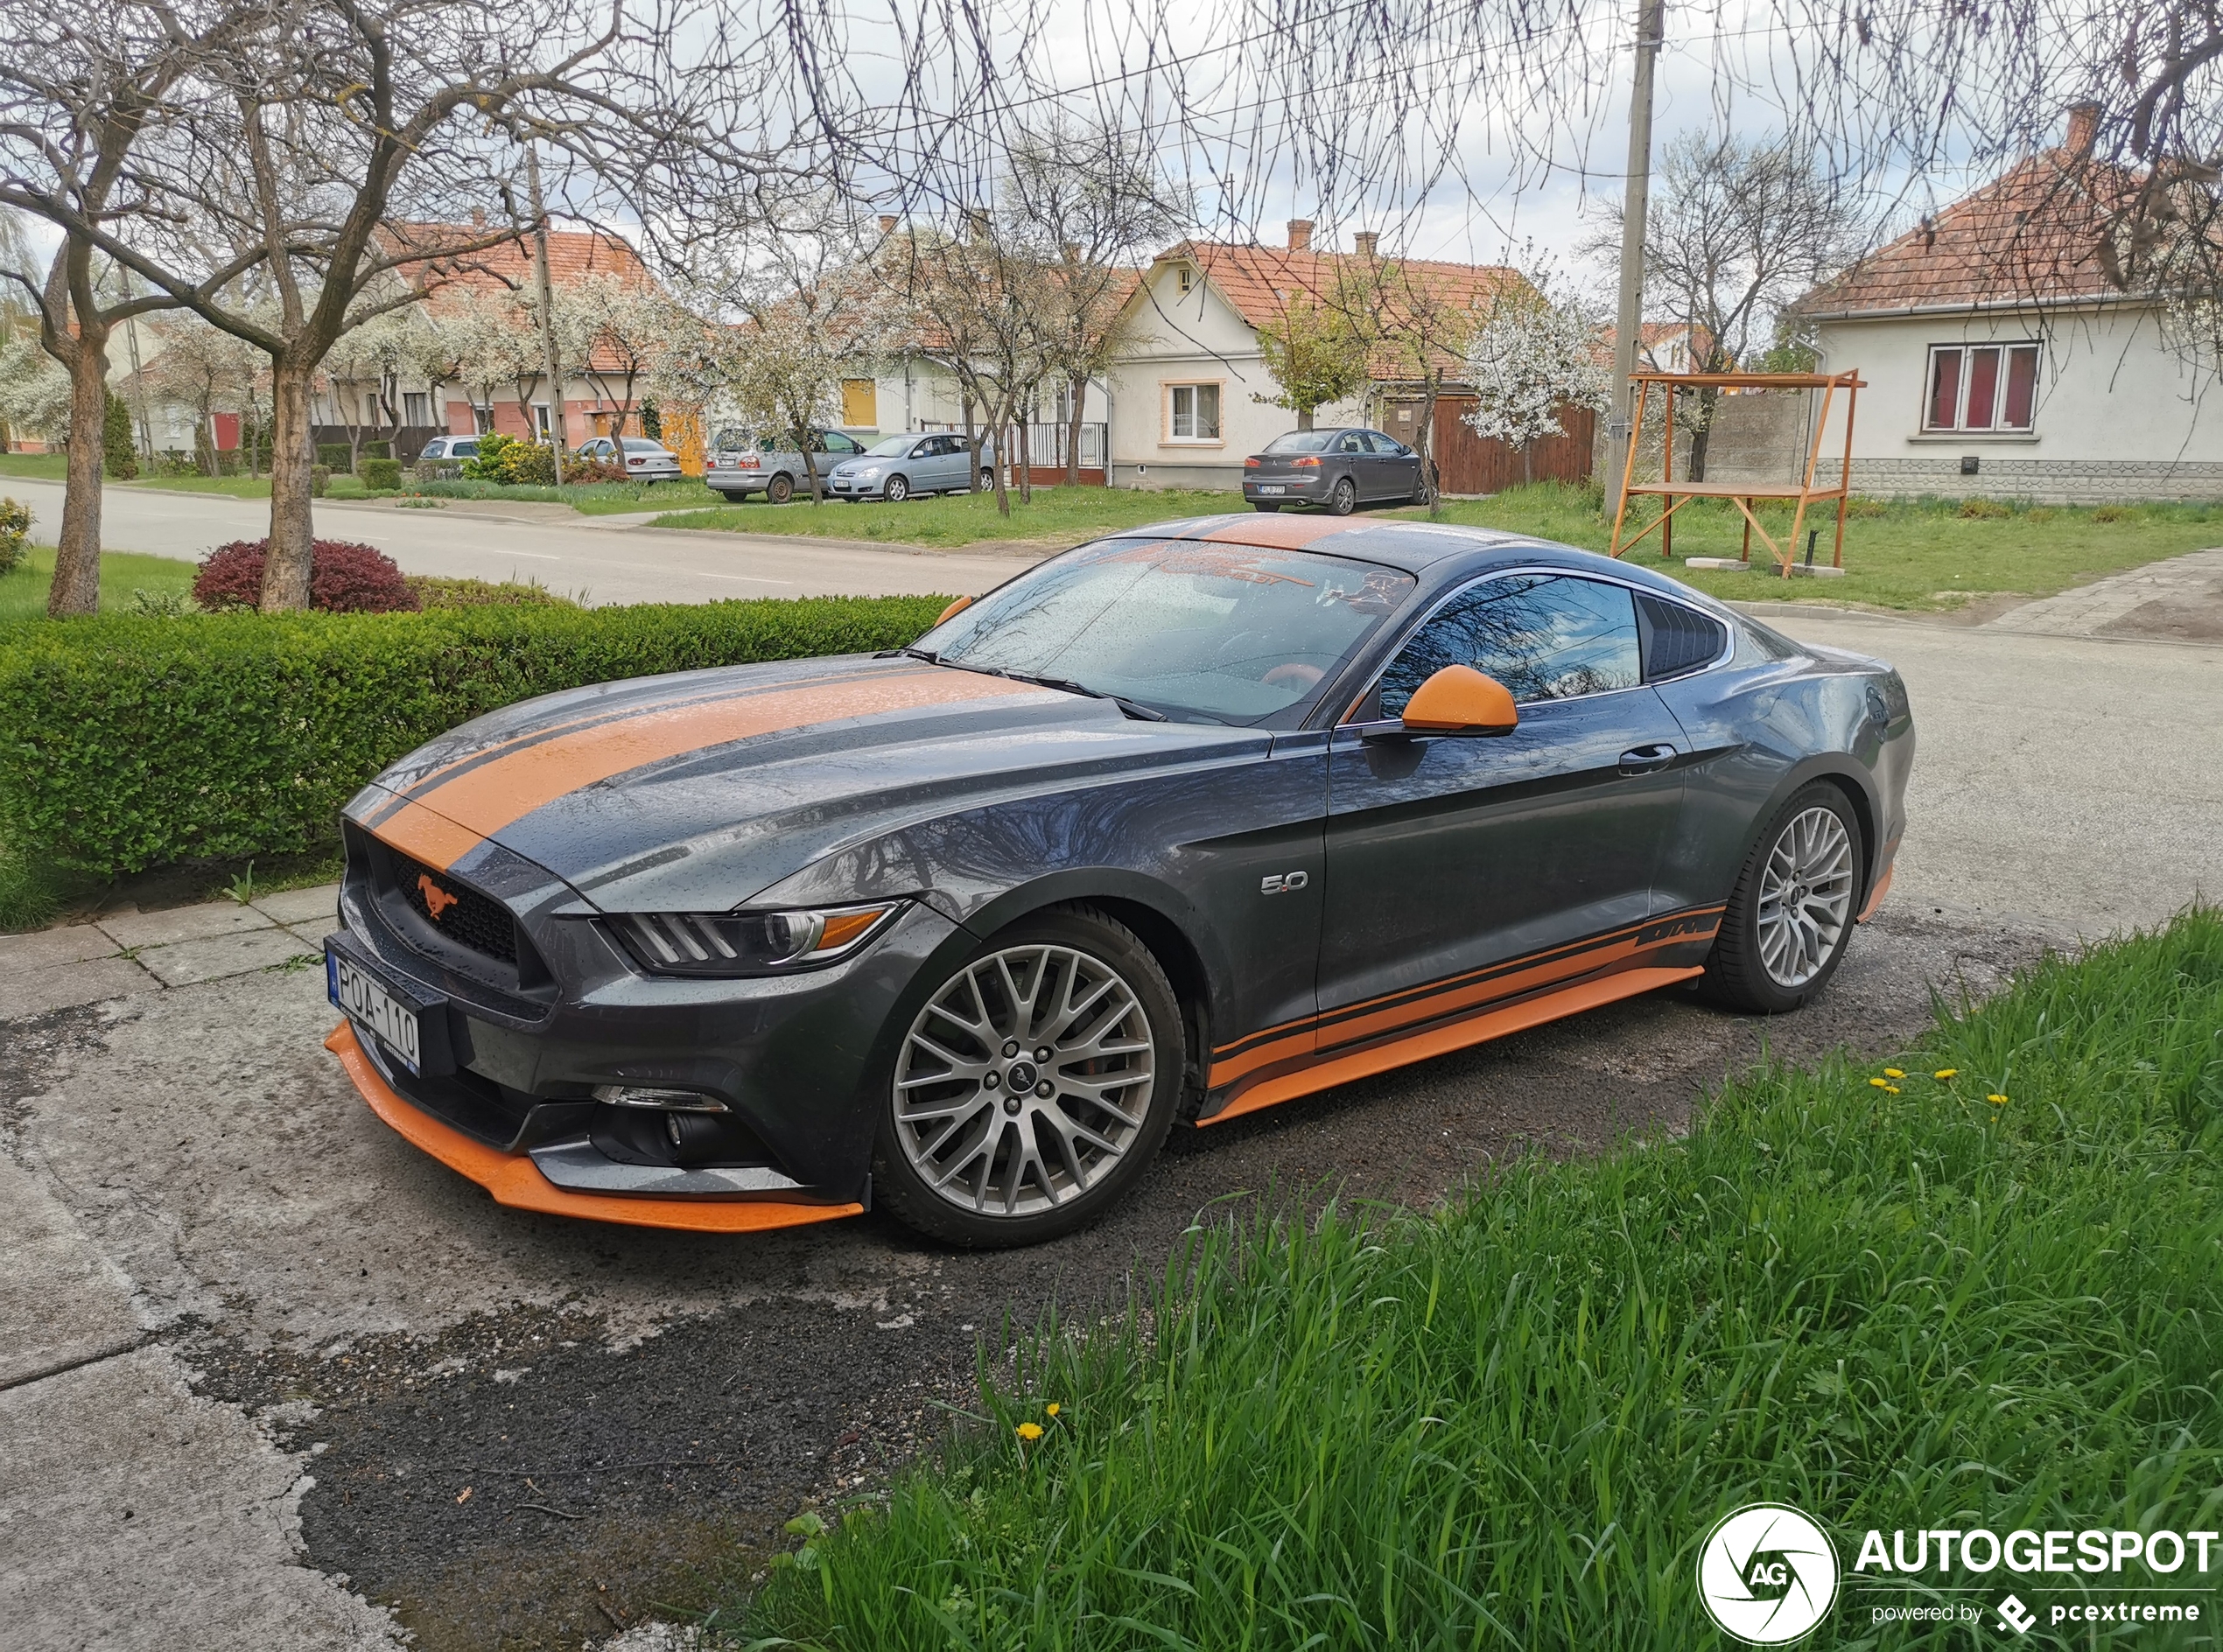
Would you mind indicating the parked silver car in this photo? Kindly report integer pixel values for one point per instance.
(448, 449)
(917, 462)
(741, 462)
(644, 460)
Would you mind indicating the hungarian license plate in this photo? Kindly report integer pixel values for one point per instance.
(370, 1006)
(1264, 489)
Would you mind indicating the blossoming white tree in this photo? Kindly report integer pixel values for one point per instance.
(1528, 359)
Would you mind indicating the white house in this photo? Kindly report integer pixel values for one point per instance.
(1999, 361)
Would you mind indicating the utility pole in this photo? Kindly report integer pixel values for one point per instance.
(1635, 204)
(549, 358)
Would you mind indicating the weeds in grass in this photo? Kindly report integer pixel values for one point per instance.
(1891, 1301)
(242, 887)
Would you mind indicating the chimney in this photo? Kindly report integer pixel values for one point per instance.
(477, 217)
(887, 223)
(2084, 126)
(1301, 234)
(1366, 241)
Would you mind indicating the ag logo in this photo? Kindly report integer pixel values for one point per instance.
(1767, 1574)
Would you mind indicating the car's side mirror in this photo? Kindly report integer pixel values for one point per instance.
(1461, 700)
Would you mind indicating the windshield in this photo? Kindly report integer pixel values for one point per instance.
(891, 447)
(1302, 442)
(1224, 634)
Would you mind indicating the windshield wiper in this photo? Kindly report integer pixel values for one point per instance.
(1132, 708)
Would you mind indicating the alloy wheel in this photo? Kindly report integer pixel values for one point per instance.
(1025, 1080)
(1344, 499)
(898, 490)
(1805, 896)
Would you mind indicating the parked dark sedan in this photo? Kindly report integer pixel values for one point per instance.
(1180, 824)
(1338, 470)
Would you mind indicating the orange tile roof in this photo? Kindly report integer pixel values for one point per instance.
(2029, 234)
(1259, 283)
(572, 256)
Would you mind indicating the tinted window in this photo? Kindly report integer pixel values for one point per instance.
(1544, 636)
(1301, 441)
(1227, 634)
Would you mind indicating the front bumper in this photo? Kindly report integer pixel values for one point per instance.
(513, 1055)
(850, 487)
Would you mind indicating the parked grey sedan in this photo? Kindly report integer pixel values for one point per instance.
(743, 462)
(1339, 469)
(917, 462)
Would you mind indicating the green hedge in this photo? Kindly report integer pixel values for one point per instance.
(128, 742)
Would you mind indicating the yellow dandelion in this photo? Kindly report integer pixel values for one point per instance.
(1996, 1099)
(1030, 1431)
(1880, 1084)
(1892, 1072)
(1947, 1072)
(1892, 1089)
(1050, 1410)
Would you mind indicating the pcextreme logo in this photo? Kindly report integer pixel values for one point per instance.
(1767, 1574)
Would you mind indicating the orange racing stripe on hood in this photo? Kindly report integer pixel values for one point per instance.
(437, 823)
(1283, 533)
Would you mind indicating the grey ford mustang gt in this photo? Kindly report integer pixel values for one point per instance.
(1180, 824)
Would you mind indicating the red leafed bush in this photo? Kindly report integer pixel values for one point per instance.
(593, 469)
(344, 578)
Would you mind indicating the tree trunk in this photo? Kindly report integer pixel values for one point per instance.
(285, 572)
(809, 461)
(1527, 467)
(1080, 389)
(972, 442)
(1426, 447)
(1025, 429)
(998, 421)
(77, 553)
(1304, 418)
(1708, 399)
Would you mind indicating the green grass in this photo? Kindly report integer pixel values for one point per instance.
(591, 498)
(1511, 1422)
(22, 591)
(1066, 515)
(1919, 555)
(51, 467)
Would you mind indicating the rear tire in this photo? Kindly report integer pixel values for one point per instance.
(1791, 916)
(780, 489)
(897, 491)
(1343, 499)
(733, 498)
(971, 1150)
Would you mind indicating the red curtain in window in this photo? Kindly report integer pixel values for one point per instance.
(1945, 389)
(2022, 388)
(1983, 388)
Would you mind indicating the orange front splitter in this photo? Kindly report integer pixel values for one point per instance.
(515, 1180)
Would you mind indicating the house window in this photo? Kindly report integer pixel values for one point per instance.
(541, 426)
(416, 408)
(1193, 412)
(1981, 386)
(1185, 278)
(859, 404)
(482, 418)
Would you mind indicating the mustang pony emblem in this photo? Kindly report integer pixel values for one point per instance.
(437, 900)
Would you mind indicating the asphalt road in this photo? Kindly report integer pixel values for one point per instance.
(344, 1382)
(606, 559)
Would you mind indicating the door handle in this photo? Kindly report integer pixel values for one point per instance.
(1647, 759)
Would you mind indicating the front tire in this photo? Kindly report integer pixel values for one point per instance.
(1343, 499)
(1034, 1087)
(1791, 916)
(897, 491)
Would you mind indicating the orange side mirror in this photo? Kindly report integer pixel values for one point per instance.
(1461, 700)
(954, 610)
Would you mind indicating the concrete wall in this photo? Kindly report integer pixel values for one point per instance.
(2119, 415)
(1191, 338)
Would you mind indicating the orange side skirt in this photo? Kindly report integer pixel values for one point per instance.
(515, 1180)
(1876, 895)
(1440, 1040)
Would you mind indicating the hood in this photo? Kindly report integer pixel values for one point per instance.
(695, 792)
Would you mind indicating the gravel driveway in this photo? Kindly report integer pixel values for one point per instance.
(324, 1375)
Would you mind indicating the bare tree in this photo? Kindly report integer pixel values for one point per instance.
(1738, 229)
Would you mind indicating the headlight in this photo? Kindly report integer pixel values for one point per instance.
(870, 473)
(732, 943)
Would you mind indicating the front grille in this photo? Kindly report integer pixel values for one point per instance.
(465, 917)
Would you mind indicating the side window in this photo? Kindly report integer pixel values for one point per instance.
(928, 448)
(1544, 636)
(1388, 444)
(1352, 443)
(837, 443)
(1677, 640)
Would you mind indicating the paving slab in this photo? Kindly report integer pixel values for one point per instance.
(137, 929)
(64, 986)
(44, 949)
(137, 1516)
(2101, 608)
(61, 1304)
(299, 906)
(220, 955)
